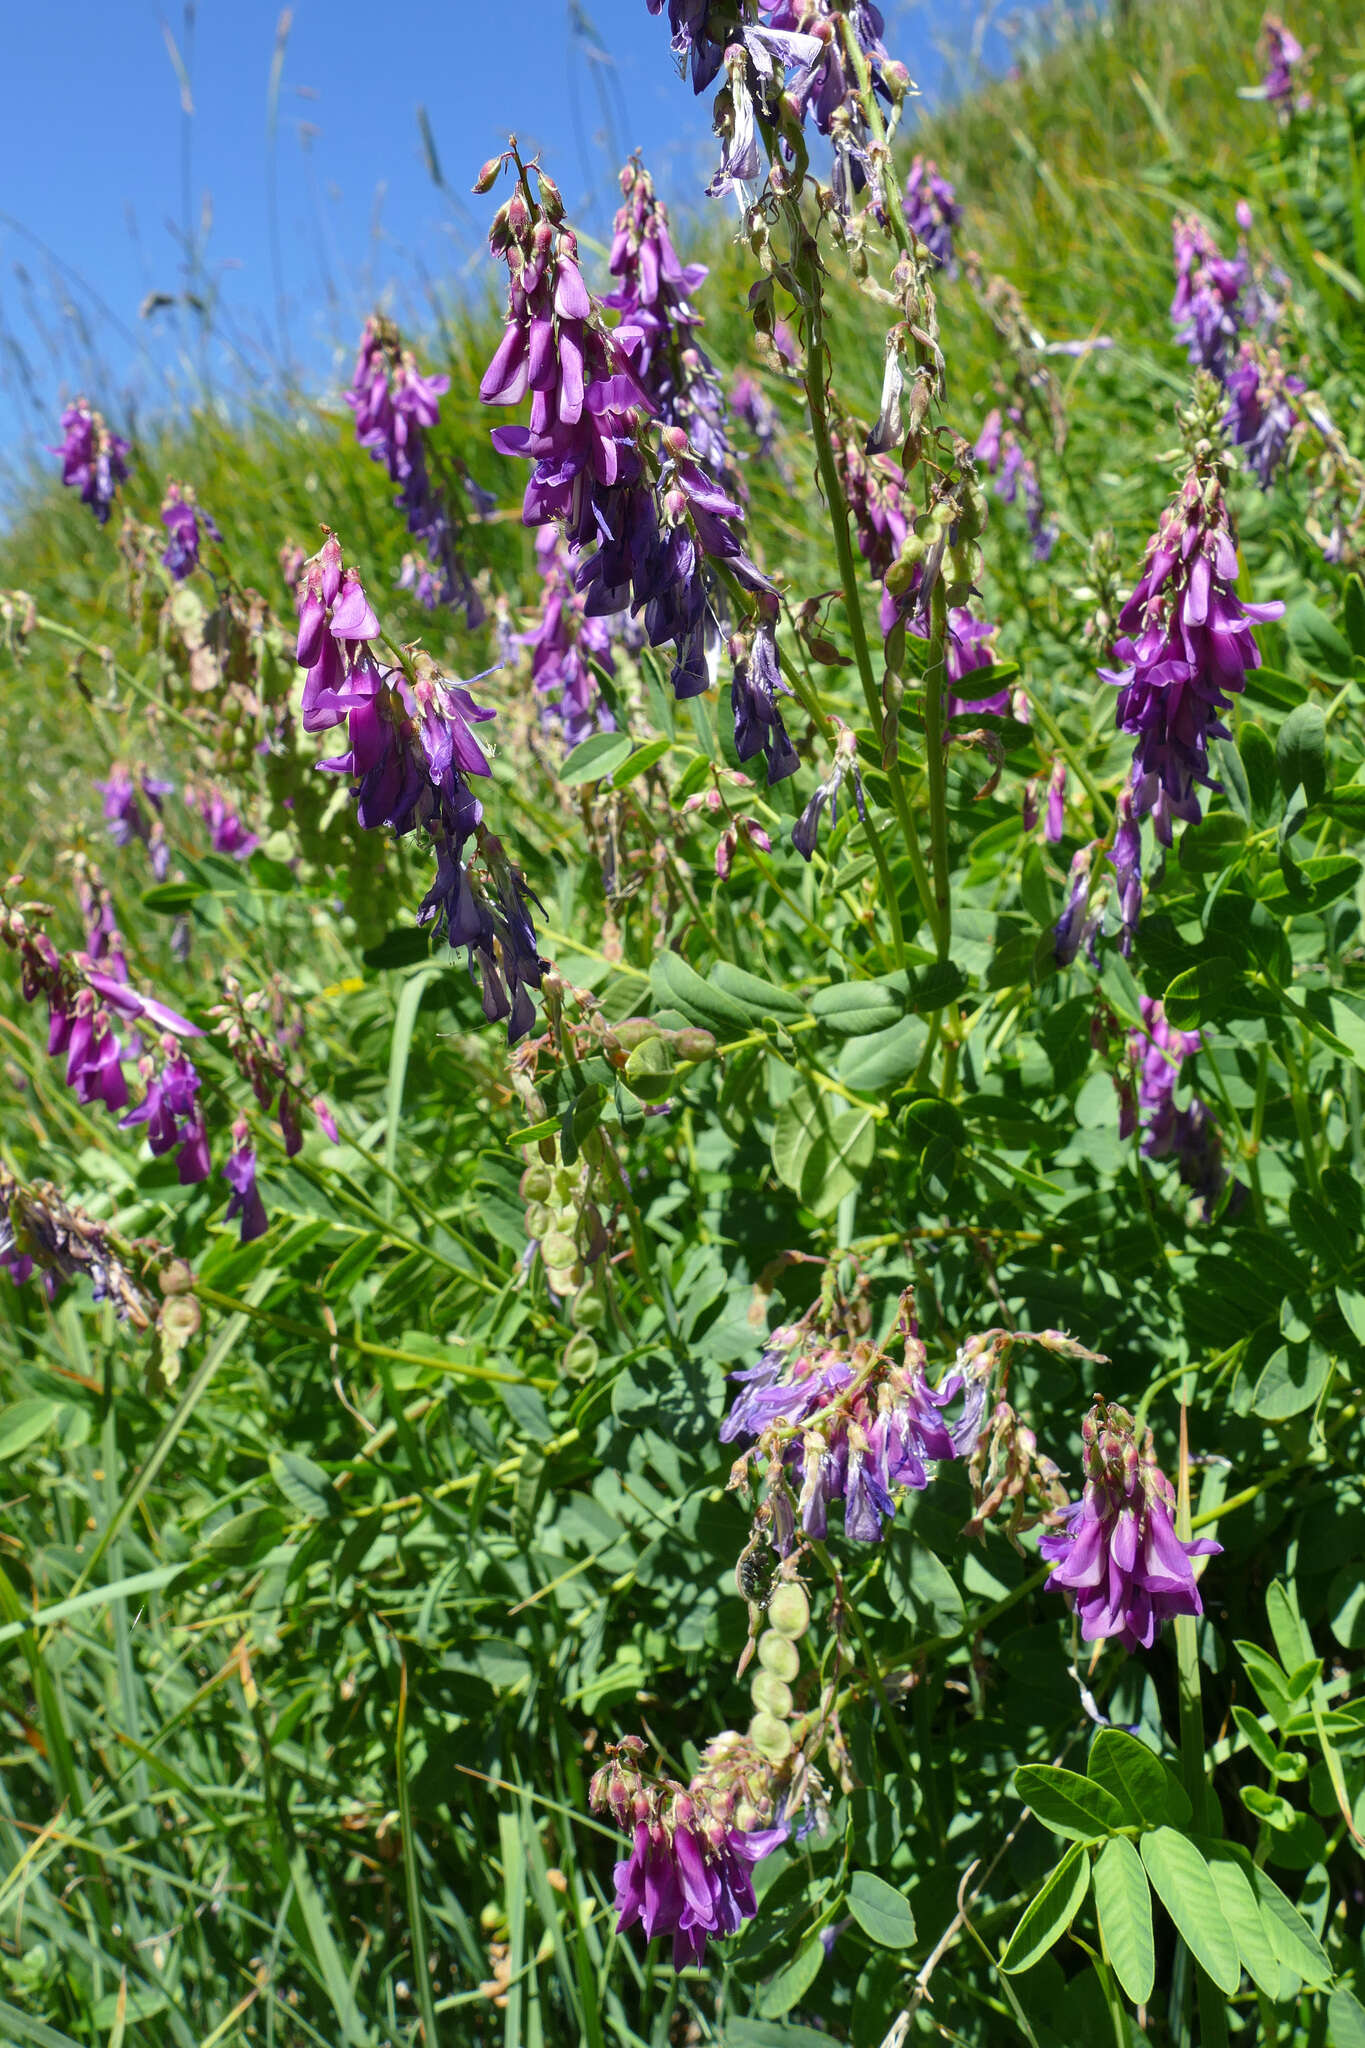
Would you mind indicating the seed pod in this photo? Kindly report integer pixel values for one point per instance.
(772, 1695)
(535, 1184)
(789, 1610)
(558, 1249)
(579, 1355)
(779, 1655)
(537, 1219)
(770, 1737)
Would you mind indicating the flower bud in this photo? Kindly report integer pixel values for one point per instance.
(488, 176)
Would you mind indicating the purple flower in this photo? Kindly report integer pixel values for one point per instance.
(750, 403)
(1208, 308)
(93, 458)
(987, 450)
(1117, 1554)
(1054, 821)
(239, 1171)
(758, 721)
(227, 833)
(395, 406)
(183, 520)
(806, 829)
(693, 1847)
(848, 1426)
(1126, 859)
(931, 209)
(1074, 928)
(94, 1052)
(126, 820)
(681, 1883)
(567, 644)
(1260, 415)
(172, 1117)
(1189, 1137)
(1187, 644)
(1283, 55)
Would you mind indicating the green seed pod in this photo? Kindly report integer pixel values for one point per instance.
(694, 1045)
(535, 1184)
(770, 1737)
(558, 1249)
(537, 1219)
(771, 1695)
(779, 1655)
(589, 1310)
(579, 1355)
(633, 1031)
(789, 1610)
(958, 593)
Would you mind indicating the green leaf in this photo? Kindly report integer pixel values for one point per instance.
(1050, 1912)
(1316, 640)
(1345, 2019)
(1068, 1803)
(23, 1422)
(305, 1486)
(643, 758)
(985, 682)
(793, 1981)
(1269, 1680)
(677, 985)
(855, 1008)
(1257, 752)
(757, 996)
(1296, 1945)
(748, 2033)
(1123, 1902)
(403, 947)
(1300, 751)
(1181, 1880)
(1148, 1793)
(1229, 1869)
(1258, 1741)
(601, 754)
(881, 1911)
(821, 1147)
(1353, 615)
(1290, 1381)
(879, 1061)
(1213, 988)
(22, 2028)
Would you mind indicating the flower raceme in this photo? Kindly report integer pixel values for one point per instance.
(412, 751)
(94, 459)
(693, 1848)
(1186, 641)
(931, 209)
(186, 524)
(834, 1419)
(395, 407)
(567, 645)
(1117, 1555)
(1189, 1136)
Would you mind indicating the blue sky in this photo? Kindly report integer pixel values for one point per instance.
(113, 194)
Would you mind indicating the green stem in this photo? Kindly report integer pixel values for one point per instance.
(1213, 2031)
(936, 762)
(805, 269)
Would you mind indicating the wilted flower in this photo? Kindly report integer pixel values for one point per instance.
(1117, 1553)
(42, 1233)
(1187, 641)
(93, 458)
(807, 827)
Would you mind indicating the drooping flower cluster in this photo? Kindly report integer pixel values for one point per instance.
(657, 329)
(126, 819)
(1117, 1554)
(650, 528)
(832, 1418)
(412, 750)
(186, 523)
(1000, 452)
(1261, 416)
(395, 407)
(1188, 1136)
(693, 1847)
(1210, 305)
(567, 644)
(1283, 55)
(94, 458)
(101, 1026)
(1187, 639)
(931, 209)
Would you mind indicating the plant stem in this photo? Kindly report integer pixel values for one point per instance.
(936, 763)
(1213, 2032)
